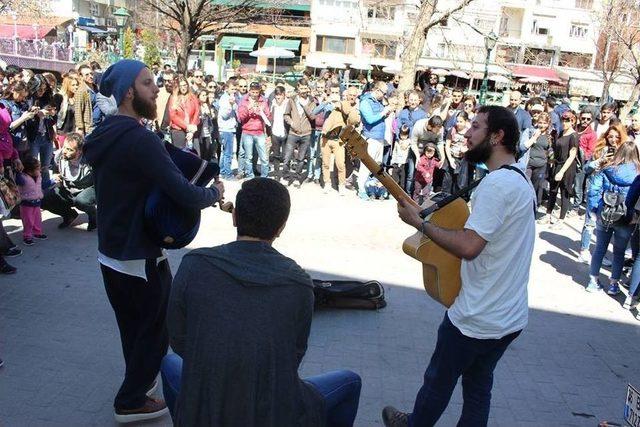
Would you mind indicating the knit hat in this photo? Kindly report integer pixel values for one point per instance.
(119, 77)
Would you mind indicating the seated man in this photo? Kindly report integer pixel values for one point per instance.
(74, 188)
(239, 316)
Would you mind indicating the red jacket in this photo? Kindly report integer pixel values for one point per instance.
(178, 115)
(251, 121)
(425, 169)
(588, 139)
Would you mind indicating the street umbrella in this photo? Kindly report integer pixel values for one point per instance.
(273, 52)
(500, 79)
(533, 80)
(459, 74)
(439, 72)
(314, 63)
(3, 65)
(359, 65)
(392, 69)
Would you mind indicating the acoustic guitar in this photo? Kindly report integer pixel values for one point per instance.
(440, 268)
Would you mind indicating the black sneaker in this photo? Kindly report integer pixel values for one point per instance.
(391, 417)
(6, 268)
(13, 251)
(67, 222)
(40, 236)
(28, 242)
(92, 226)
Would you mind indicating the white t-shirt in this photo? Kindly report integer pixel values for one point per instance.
(493, 301)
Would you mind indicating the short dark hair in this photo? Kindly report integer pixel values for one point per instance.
(501, 118)
(83, 67)
(30, 164)
(255, 86)
(436, 121)
(77, 138)
(279, 90)
(262, 208)
(458, 89)
(608, 106)
(302, 82)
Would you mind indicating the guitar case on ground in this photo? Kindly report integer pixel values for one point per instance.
(348, 294)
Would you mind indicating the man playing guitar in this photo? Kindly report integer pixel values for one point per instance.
(496, 246)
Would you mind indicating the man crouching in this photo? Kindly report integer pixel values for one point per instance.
(239, 316)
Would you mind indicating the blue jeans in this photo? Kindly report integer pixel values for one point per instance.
(260, 142)
(587, 230)
(634, 282)
(458, 355)
(315, 165)
(621, 234)
(340, 389)
(42, 148)
(227, 139)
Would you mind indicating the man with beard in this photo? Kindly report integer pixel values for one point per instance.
(588, 139)
(496, 246)
(129, 161)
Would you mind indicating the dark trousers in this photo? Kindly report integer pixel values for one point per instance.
(458, 355)
(61, 202)
(302, 144)
(207, 148)
(178, 138)
(565, 199)
(140, 307)
(538, 178)
(579, 186)
(276, 154)
(410, 168)
(399, 173)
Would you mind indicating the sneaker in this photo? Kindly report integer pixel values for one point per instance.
(153, 408)
(630, 303)
(316, 181)
(594, 285)
(391, 417)
(546, 219)
(606, 262)
(342, 191)
(28, 242)
(638, 315)
(69, 222)
(557, 225)
(326, 189)
(626, 285)
(91, 226)
(297, 184)
(614, 289)
(13, 251)
(584, 257)
(40, 236)
(6, 268)
(363, 196)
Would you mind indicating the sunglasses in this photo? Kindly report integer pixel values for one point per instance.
(566, 119)
(585, 119)
(198, 76)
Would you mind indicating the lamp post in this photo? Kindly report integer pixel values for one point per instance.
(490, 41)
(121, 15)
(14, 16)
(70, 31)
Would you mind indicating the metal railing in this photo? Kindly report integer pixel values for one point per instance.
(36, 49)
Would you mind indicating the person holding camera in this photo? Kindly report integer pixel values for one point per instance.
(40, 130)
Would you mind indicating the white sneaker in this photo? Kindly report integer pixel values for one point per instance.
(341, 190)
(326, 189)
(606, 262)
(584, 257)
(630, 303)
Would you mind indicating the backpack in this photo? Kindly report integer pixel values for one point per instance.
(348, 294)
(614, 207)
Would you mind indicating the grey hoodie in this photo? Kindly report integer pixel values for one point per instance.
(240, 315)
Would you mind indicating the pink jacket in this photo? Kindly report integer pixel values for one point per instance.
(30, 188)
(251, 121)
(7, 150)
(425, 169)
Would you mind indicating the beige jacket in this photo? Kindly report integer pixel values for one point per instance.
(346, 114)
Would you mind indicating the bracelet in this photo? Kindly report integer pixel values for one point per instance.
(422, 227)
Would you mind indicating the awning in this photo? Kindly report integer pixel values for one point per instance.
(94, 30)
(547, 73)
(283, 43)
(242, 44)
(25, 32)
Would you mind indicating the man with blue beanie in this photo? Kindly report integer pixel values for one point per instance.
(129, 161)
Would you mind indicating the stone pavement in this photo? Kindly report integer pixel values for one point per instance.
(570, 367)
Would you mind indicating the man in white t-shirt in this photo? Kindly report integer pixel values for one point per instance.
(496, 246)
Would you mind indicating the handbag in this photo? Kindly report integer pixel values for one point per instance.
(9, 196)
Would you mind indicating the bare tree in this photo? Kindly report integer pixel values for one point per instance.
(188, 20)
(428, 18)
(607, 58)
(25, 8)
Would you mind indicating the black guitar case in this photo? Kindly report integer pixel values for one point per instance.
(348, 294)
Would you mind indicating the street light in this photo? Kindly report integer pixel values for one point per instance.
(490, 41)
(121, 15)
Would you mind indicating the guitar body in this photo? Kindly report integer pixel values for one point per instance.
(440, 269)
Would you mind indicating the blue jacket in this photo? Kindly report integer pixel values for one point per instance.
(523, 118)
(632, 197)
(409, 118)
(371, 113)
(618, 178)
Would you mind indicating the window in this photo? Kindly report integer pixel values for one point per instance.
(330, 44)
(575, 60)
(380, 48)
(584, 4)
(484, 24)
(382, 12)
(540, 28)
(110, 22)
(94, 9)
(541, 57)
(507, 54)
(578, 31)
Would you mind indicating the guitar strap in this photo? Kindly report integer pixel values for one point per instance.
(448, 199)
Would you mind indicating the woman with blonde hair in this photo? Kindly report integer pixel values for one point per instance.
(606, 146)
(66, 106)
(184, 114)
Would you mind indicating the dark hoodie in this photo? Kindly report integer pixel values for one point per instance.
(239, 315)
(128, 162)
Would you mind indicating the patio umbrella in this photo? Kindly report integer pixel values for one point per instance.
(273, 52)
(314, 63)
(459, 74)
(500, 79)
(364, 66)
(439, 72)
(392, 69)
(533, 80)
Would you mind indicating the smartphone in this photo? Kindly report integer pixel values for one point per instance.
(611, 151)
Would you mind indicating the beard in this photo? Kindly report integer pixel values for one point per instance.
(480, 153)
(146, 109)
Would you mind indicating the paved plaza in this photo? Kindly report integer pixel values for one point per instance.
(570, 367)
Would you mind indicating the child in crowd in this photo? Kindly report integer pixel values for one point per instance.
(456, 145)
(400, 154)
(424, 173)
(30, 186)
(375, 189)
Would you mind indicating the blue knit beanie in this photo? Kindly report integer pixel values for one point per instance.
(119, 77)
